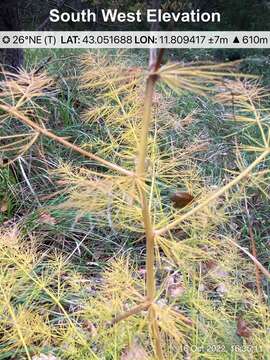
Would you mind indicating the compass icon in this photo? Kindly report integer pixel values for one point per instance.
(6, 39)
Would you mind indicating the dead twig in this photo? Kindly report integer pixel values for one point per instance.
(253, 258)
(133, 311)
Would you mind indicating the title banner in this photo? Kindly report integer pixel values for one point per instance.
(150, 16)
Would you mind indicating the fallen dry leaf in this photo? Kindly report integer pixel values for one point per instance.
(90, 327)
(243, 329)
(222, 289)
(209, 265)
(181, 199)
(170, 280)
(3, 206)
(250, 285)
(142, 272)
(187, 354)
(188, 119)
(215, 269)
(220, 272)
(175, 290)
(46, 218)
(134, 352)
(201, 287)
(44, 357)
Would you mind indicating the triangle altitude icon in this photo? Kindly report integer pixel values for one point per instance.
(236, 40)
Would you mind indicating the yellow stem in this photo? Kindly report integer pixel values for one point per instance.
(156, 333)
(150, 248)
(146, 215)
(212, 197)
(13, 111)
(146, 212)
(147, 116)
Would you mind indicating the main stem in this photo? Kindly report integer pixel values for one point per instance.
(146, 212)
(141, 170)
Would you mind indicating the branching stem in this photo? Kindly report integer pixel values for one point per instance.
(133, 311)
(14, 112)
(214, 196)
